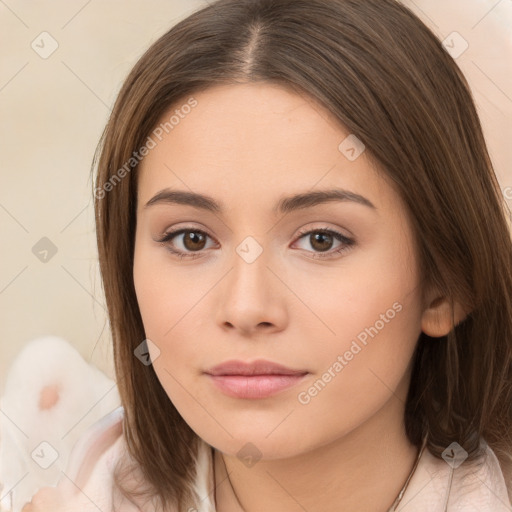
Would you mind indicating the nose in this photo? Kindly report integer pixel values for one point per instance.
(252, 297)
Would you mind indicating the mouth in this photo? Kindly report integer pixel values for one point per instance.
(255, 380)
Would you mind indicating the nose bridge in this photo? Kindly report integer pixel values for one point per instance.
(250, 294)
(250, 272)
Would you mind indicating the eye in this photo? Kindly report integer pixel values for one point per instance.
(322, 238)
(193, 240)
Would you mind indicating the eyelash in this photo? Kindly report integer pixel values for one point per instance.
(347, 242)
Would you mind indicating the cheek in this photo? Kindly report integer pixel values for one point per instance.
(169, 301)
(373, 293)
(164, 293)
(163, 303)
(168, 313)
(365, 364)
(373, 311)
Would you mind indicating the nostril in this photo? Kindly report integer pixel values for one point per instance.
(49, 397)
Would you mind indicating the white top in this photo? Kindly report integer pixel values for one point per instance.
(436, 485)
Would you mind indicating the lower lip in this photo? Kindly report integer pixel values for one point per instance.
(254, 386)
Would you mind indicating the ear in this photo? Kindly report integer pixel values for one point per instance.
(441, 316)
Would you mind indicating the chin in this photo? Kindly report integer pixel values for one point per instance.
(244, 440)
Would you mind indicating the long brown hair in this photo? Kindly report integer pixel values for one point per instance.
(389, 81)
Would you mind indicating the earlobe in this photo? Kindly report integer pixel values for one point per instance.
(441, 316)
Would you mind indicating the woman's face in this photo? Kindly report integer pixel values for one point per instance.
(328, 289)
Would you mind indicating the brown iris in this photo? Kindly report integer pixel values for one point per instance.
(316, 240)
(193, 240)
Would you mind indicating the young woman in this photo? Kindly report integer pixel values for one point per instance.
(307, 265)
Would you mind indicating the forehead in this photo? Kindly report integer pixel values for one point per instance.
(247, 143)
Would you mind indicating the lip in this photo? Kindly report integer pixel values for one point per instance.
(258, 367)
(254, 380)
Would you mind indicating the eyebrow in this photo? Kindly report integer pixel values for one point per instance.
(283, 206)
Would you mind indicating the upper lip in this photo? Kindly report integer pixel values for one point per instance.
(259, 367)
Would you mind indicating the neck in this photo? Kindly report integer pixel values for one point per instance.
(364, 470)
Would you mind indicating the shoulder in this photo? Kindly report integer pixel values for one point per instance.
(455, 484)
(481, 484)
(87, 483)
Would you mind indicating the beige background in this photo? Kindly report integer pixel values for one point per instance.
(52, 112)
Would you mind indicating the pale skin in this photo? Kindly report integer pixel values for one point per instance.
(247, 146)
